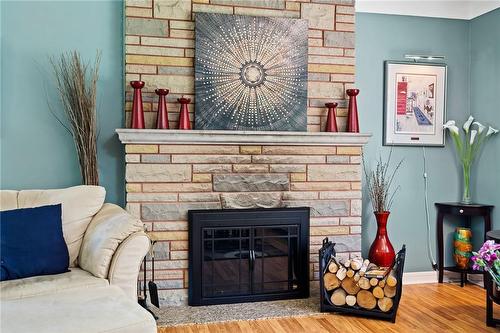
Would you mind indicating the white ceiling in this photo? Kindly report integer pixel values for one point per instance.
(445, 8)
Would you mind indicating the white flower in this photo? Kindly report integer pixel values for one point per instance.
(491, 131)
(468, 123)
(480, 127)
(449, 123)
(472, 136)
(453, 129)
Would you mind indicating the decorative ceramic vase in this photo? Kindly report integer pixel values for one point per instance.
(184, 123)
(352, 114)
(466, 197)
(381, 251)
(162, 116)
(463, 247)
(137, 121)
(331, 121)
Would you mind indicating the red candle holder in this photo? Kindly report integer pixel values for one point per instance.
(137, 120)
(162, 116)
(352, 115)
(331, 120)
(184, 122)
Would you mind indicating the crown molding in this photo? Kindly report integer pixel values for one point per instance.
(451, 9)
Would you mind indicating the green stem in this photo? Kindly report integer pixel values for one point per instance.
(466, 198)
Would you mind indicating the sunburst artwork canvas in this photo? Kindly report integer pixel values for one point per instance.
(250, 73)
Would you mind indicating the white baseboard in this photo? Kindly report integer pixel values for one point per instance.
(432, 277)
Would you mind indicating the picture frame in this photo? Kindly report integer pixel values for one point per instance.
(414, 103)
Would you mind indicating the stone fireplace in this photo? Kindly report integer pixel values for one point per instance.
(169, 172)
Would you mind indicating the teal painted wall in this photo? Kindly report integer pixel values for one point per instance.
(389, 37)
(36, 152)
(485, 105)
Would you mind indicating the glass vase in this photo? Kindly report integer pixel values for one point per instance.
(466, 197)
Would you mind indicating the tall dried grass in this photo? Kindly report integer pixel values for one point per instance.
(379, 183)
(76, 83)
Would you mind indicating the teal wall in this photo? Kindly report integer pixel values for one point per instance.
(485, 105)
(389, 37)
(36, 152)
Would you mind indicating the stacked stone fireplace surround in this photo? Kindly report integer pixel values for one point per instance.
(165, 178)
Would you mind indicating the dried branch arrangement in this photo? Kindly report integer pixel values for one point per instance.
(379, 182)
(76, 83)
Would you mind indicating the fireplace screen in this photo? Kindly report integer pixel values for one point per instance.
(247, 255)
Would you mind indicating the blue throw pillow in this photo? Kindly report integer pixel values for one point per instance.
(32, 242)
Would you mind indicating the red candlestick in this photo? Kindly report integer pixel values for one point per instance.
(162, 117)
(381, 251)
(331, 121)
(184, 122)
(352, 115)
(137, 109)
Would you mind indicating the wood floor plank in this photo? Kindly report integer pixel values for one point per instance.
(423, 308)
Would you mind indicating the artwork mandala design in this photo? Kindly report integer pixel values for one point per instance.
(250, 73)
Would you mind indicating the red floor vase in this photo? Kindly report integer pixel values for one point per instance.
(184, 123)
(352, 113)
(381, 252)
(331, 121)
(137, 120)
(162, 116)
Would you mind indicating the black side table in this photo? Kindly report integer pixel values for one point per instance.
(492, 295)
(468, 211)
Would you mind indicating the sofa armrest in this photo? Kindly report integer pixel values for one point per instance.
(108, 229)
(125, 266)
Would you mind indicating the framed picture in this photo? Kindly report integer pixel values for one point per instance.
(414, 104)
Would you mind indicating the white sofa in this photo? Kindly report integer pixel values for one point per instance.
(106, 246)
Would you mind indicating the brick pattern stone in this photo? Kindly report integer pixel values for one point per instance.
(159, 49)
(165, 181)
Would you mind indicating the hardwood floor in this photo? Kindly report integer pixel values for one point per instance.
(423, 308)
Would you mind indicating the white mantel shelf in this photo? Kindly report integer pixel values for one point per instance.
(201, 137)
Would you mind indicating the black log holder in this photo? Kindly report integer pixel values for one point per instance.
(151, 286)
(325, 253)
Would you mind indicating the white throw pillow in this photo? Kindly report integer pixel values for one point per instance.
(79, 205)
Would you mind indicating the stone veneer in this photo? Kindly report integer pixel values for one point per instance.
(159, 49)
(165, 179)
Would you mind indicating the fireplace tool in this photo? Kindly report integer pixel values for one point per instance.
(151, 285)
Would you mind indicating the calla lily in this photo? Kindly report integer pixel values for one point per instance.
(449, 123)
(480, 127)
(473, 134)
(491, 131)
(468, 123)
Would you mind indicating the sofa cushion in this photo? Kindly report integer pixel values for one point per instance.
(8, 199)
(109, 227)
(32, 242)
(91, 310)
(79, 205)
(49, 284)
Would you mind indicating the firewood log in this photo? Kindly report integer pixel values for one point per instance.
(338, 297)
(363, 268)
(381, 283)
(389, 291)
(356, 264)
(364, 283)
(350, 273)
(350, 300)
(356, 277)
(391, 279)
(385, 304)
(373, 282)
(333, 267)
(350, 286)
(331, 281)
(378, 292)
(341, 273)
(347, 263)
(365, 299)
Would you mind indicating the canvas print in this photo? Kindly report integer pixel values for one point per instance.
(415, 104)
(250, 73)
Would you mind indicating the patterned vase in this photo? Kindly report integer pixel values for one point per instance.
(463, 247)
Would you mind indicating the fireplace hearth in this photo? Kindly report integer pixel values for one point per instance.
(245, 255)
